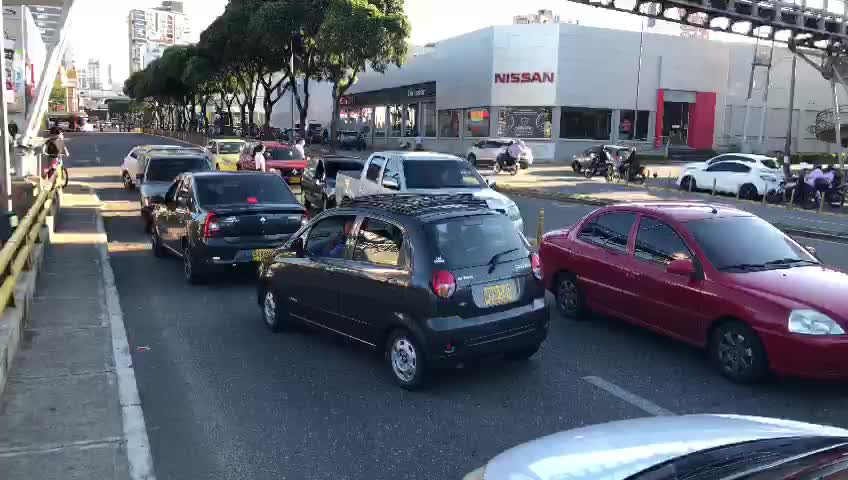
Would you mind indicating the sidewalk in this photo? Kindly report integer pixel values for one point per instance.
(61, 413)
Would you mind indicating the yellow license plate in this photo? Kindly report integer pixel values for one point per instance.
(260, 255)
(294, 179)
(497, 294)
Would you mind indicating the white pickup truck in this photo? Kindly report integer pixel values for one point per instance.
(422, 172)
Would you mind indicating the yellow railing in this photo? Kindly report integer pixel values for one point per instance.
(16, 254)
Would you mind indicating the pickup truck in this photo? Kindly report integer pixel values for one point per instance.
(424, 173)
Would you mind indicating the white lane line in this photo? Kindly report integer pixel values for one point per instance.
(641, 403)
(138, 446)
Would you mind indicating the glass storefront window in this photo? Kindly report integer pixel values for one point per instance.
(477, 122)
(449, 123)
(428, 116)
(585, 123)
(411, 120)
(379, 121)
(365, 119)
(395, 120)
(525, 122)
(629, 123)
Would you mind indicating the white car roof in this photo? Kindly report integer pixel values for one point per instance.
(752, 156)
(407, 155)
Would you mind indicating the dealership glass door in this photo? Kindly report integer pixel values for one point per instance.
(676, 122)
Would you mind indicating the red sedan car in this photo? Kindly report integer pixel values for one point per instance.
(281, 157)
(711, 276)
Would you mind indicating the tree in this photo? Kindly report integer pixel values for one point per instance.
(356, 34)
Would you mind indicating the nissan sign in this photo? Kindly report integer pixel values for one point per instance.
(525, 77)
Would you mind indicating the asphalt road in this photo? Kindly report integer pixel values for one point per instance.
(223, 398)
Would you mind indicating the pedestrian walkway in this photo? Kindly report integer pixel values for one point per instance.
(61, 414)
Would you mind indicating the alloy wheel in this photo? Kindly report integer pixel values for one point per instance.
(567, 296)
(735, 353)
(269, 309)
(404, 359)
(187, 267)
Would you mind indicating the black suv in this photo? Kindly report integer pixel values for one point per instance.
(427, 280)
(215, 220)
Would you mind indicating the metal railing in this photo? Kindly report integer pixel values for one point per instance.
(16, 254)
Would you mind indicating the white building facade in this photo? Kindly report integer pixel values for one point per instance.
(565, 87)
(152, 30)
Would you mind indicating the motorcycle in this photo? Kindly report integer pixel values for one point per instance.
(635, 175)
(598, 166)
(48, 171)
(505, 162)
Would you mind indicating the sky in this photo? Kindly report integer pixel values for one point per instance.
(100, 27)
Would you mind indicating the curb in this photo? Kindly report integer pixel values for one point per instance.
(588, 200)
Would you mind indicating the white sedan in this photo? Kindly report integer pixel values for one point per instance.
(747, 179)
(706, 447)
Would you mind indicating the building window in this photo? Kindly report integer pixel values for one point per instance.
(428, 116)
(524, 122)
(379, 122)
(411, 120)
(477, 122)
(449, 123)
(365, 119)
(585, 123)
(395, 120)
(628, 123)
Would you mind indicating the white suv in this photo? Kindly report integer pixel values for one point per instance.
(486, 151)
(747, 179)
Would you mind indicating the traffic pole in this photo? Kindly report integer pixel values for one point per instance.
(540, 226)
(714, 187)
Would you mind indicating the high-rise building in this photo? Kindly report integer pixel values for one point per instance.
(152, 30)
(541, 16)
(97, 76)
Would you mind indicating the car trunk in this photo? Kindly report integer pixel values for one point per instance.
(259, 221)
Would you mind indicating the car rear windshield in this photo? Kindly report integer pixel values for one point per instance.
(243, 189)
(167, 169)
(770, 163)
(283, 154)
(332, 168)
(463, 242)
(230, 147)
(441, 174)
(733, 241)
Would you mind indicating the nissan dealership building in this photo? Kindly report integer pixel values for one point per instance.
(565, 87)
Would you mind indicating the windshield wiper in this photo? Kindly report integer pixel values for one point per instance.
(790, 261)
(743, 266)
(780, 263)
(497, 256)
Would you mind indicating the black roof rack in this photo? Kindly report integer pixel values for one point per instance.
(418, 204)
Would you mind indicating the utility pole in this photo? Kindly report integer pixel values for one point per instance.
(763, 117)
(744, 146)
(788, 146)
(5, 154)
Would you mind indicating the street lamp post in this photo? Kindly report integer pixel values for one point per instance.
(788, 145)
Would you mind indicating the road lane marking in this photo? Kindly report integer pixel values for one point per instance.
(641, 403)
(139, 458)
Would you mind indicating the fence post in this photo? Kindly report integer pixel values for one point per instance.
(765, 194)
(714, 187)
(669, 178)
(792, 197)
(540, 226)
(738, 193)
(821, 203)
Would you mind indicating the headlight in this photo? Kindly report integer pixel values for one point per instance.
(513, 213)
(811, 322)
(479, 474)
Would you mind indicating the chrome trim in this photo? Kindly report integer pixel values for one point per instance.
(332, 330)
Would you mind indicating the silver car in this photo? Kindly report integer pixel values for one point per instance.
(705, 447)
(585, 158)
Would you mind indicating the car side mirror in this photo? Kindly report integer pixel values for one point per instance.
(681, 266)
(812, 251)
(491, 182)
(391, 183)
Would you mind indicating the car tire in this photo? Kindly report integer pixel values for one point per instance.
(524, 165)
(569, 298)
(737, 353)
(128, 183)
(472, 159)
(748, 192)
(575, 165)
(191, 271)
(522, 354)
(273, 315)
(684, 184)
(405, 360)
(156, 244)
(588, 173)
(217, 167)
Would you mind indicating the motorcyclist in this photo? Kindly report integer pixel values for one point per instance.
(630, 166)
(813, 179)
(513, 154)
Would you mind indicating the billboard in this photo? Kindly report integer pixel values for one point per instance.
(525, 122)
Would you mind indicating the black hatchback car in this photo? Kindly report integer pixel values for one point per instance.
(319, 179)
(426, 280)
(215, 220)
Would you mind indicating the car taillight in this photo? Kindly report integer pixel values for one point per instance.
(443, 283)
(212, 227)
(536, 265)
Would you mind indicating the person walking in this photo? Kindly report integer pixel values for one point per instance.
(259, 158)
(300, 146)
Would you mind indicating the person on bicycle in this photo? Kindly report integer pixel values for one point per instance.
(55, 145)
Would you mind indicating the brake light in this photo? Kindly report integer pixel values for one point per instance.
(252, 200)
(212, 227)
(443, 283)
(536, 265)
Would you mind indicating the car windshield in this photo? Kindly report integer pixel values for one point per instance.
(464, 242)
(743, 243)
(166, 169)
(332, 168)
(229, 147)
(283, 153)
(432, 174)
(242, 189)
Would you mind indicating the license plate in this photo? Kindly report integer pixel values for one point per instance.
(294, 179)
(260, 255)
(497, 294)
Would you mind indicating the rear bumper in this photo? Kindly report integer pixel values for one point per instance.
(807, 356)
(218, 251)
(498, 333)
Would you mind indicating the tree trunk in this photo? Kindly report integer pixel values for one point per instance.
(335, 115)
(304, 112)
